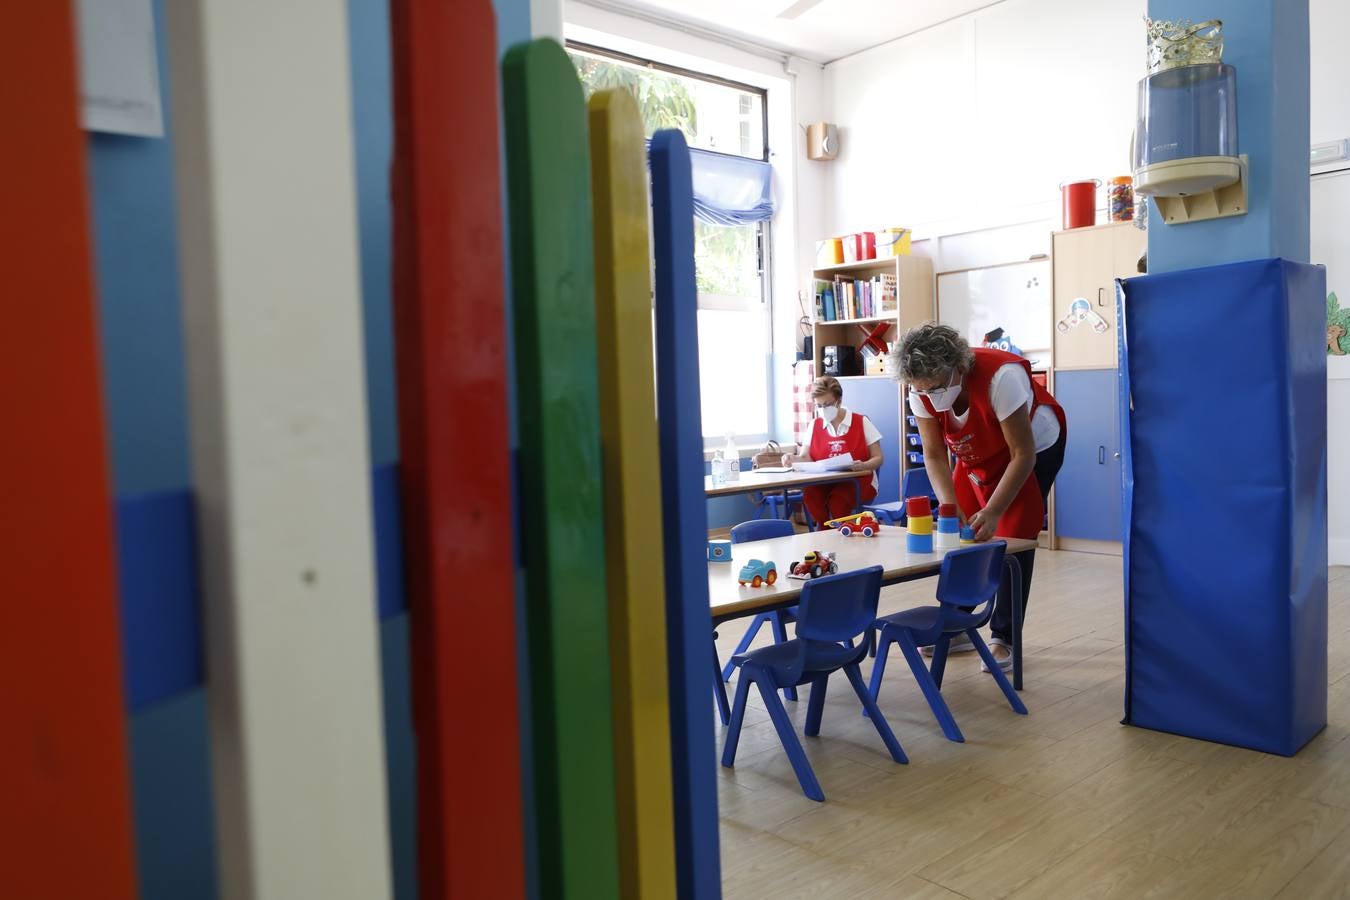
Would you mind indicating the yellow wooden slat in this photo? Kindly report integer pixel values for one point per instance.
(633, 523)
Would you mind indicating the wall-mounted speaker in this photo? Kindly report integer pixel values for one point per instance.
(822, 141)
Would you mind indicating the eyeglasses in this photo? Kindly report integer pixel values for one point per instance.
(934, 391)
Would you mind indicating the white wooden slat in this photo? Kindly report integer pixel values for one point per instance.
(262, 128)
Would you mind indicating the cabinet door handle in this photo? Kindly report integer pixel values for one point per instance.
(1101, 455)
(1116, 455)
(1101, 292)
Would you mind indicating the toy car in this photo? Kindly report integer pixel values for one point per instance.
(865, 524)
(815, 564)
(757, 573)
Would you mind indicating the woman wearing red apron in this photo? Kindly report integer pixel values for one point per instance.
(1007, 434)
(837, 432)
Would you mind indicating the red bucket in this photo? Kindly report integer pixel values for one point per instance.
(1080, 203)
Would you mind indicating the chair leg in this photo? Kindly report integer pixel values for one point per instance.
(776, 618)
(879, 667)
(783, 725)
(744, 644)
(929, 687)
(815, 708)
(878, 720)
(720, 689)
(994, 669)
(940, 651)
(737, 720)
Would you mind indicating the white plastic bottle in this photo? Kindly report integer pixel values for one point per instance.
(733, 460)
(719, 469)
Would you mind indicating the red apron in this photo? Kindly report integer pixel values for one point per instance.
(982, 455)
(853, 442)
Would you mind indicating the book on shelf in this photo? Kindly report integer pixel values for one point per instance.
(844, 299)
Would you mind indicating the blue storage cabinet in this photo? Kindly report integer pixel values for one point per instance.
(1087, 490)
(878, 398)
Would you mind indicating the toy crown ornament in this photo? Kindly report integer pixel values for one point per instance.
(1175, 44)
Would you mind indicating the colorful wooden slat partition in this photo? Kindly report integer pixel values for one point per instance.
(450, 328)
(559, 470)
(633, 520)
(688, 621)
(66, 828)
(267, 220)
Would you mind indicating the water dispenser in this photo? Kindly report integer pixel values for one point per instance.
(1186, 137)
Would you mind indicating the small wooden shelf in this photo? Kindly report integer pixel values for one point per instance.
(914, 299)
(871, 320)
(886, 262)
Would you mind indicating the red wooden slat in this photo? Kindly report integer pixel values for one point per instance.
(65, 798)
(450, 327)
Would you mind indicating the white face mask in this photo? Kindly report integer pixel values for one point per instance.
(943, 399)
(827, 412)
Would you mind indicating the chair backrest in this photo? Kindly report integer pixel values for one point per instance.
(970, 577)
(917, 484)
(761, 530)
(839, 607)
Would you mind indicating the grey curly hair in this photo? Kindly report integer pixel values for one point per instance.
(930, 351)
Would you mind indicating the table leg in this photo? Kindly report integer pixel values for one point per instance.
(1014, 568)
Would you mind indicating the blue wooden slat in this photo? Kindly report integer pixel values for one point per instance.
(387, 511)
(157, 582)
(688, 620)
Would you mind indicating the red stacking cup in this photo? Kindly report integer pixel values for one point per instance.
(917, 507)
(946, 510)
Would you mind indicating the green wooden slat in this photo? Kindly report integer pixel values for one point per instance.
(561, 521)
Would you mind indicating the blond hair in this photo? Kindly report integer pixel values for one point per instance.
(827, 384)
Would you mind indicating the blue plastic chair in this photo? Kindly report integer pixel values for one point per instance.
(754, 530)
(966, 590)
(779, 505)
(833, 610)
(916, 484)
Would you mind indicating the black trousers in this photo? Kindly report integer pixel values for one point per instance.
(1048, 462)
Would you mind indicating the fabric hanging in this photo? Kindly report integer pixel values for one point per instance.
(730, 190)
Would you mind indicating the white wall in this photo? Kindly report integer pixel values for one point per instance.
(974, 123)
(1330, 69)
(795, 97)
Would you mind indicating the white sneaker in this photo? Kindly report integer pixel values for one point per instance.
(1004, 664)
(960, 644)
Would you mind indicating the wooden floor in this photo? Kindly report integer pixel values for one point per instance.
(1065, 802)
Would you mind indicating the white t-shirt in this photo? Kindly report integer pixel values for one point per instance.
(1009, 390)
(871, 434)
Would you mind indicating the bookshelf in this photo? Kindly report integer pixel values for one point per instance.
(912, 277)
(914, 288)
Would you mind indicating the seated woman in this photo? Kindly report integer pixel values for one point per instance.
(838, 431)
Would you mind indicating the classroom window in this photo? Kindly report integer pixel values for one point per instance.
(734, 320)
(709, 111)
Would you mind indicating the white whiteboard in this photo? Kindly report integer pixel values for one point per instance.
(1330, 231)
(1015, 297)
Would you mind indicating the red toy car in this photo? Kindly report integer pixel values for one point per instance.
(815, 564)
(864, 523)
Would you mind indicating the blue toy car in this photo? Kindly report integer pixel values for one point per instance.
(758, 573)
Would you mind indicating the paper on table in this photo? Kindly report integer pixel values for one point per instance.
(818, 467)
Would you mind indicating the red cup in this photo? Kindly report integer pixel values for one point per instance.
(1079, 199)
(947, 510)
(918, 507)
